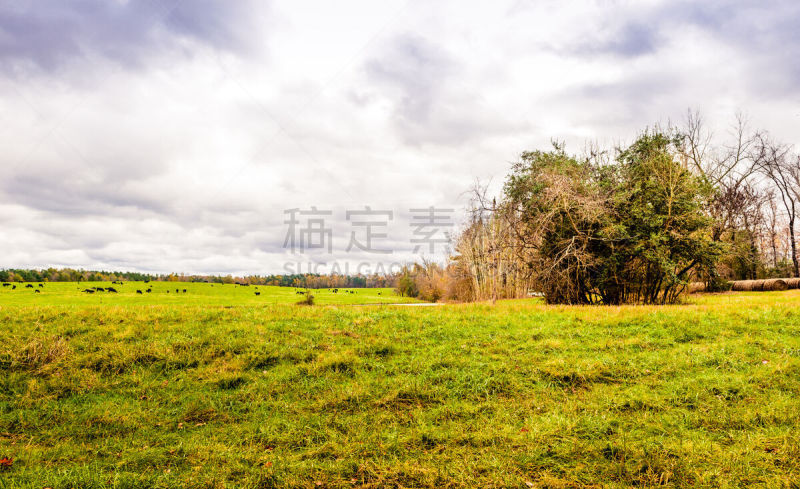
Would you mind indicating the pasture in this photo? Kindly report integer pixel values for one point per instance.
(183, 293)
(226, 389)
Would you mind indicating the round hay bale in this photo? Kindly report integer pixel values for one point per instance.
(793, 283)
(743, 285)
(695, 287)
(774, 284)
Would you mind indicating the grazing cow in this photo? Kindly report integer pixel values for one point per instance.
(149, 290)
(13, 287)
(99, 289)
(6, 285)
(111, 289)
(184, 291)
(37, 291)
(29, 286)
(299, 292)
(138, 291)
(176, 291)
(41, 285)
(89, 291)
(258, 293)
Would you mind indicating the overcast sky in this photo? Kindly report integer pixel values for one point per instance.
(171, 135)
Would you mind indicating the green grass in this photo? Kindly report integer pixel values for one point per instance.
(248, 394)
(164, 293)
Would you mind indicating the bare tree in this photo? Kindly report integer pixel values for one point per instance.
(773, 235)
(728, 169)
(775, 161)
(752, 201)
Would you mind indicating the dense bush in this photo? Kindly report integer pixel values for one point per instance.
(631, 230)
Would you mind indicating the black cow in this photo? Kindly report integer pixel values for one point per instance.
(29, 286)
(184, 291)
(111, 289)
(176, 291)
(258, 293)
(6, 285)
(41, 285)
(138, 291)
(149, 290)
(99, 289)
(37, 291)
(13, 287)
(89, 291)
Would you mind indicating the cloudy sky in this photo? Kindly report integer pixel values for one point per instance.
(172, 135)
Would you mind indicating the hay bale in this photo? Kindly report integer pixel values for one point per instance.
(774, 284)
(743, 285)
(767, 285)
(793, 283)
(695, 287)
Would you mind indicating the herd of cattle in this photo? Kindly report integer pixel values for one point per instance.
(336, 291)
(112, 290)
(27, 286)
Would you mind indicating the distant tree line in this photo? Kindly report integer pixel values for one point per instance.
(635, 224)
(71, 275)
(312, 281)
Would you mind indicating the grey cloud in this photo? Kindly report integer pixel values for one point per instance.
(49, 35)
(417, 70)
(431, 102)
(768, 28)
(629, 40)
(632, 40)
(76, 195)
(766, 33)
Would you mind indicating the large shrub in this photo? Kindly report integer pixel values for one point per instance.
(631, 230)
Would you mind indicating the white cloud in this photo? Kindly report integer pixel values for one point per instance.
(176, 145)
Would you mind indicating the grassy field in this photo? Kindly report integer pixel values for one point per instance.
(172, 293)
(225, 391)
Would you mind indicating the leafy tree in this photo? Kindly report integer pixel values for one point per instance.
(632, 230)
